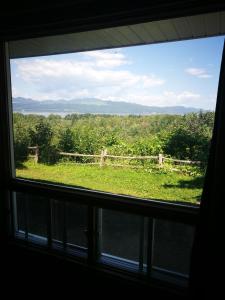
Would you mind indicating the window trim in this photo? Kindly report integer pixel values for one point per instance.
(185, 213)
(123, 201)
(92, 258)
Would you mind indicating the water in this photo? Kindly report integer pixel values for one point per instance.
(45, 114)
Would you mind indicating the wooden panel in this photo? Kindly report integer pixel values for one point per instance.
(154, 30)
(109, 39)
(90, 41)
(212, 23)
(222, 22)
(168, 30)
(130, 35)
(182, 27)
(197, 25)
(142, 33)
(145, 33)
(117, 35)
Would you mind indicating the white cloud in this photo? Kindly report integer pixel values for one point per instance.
(98, 74)
(198, 72)
(57, 79)
(164, 98)
(151, 80)
(187, 95)
(107, 58)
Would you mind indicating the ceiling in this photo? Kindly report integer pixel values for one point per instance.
(32, 18)
(174, 29)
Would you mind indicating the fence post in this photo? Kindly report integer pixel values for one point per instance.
(102, 158)
(160, 159)
(36, 154)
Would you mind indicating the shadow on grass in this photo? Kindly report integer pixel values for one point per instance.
(51, 182)
(20, 165)
(196, 183)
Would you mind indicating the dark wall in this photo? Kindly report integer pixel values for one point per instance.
(28, 272)
(36, 18)
(34, 274)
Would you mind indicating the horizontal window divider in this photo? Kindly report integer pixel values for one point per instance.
(119, 262)
(177, 212)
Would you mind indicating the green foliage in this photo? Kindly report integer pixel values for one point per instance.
(66, 141)
(181, 137)
(21, 141)
(41, 134)
(191, 138)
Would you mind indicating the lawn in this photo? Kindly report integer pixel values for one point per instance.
(150, 184)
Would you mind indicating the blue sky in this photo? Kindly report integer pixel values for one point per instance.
(176, 73)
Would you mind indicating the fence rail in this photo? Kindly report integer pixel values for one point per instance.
(103, 156)
(160, 158)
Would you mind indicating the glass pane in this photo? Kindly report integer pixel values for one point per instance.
(76, 224)
(69, 224)
(133, 121)
(68, 220)
(58, 221)
(31, 215)
(20, 211)
(172, 246)
(121, 234)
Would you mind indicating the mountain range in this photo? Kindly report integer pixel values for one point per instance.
(94, 106)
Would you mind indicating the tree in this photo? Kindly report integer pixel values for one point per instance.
(66, 141)
(41, 135)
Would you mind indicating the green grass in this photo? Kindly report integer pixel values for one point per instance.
(136, 182)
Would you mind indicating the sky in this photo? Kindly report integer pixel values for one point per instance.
(176, 73)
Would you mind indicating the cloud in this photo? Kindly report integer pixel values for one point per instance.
(198, 72)
(188, 95)
(151, 80)
(163, 98)
(97, 74)
(107, 58)
(50, 78)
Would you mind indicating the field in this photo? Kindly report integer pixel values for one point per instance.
(144, 183)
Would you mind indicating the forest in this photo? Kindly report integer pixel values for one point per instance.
(185, 137)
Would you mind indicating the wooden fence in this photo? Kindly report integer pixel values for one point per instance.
(103, 156)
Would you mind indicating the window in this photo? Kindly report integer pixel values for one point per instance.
(40, 219)
(131, 242)
(134, 121)
(102, 180)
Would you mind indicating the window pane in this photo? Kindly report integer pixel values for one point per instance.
(76, 224)
(41, 217)
(20, 212)
(172, 246)
(31, 216)
(121, 235)
(133, 121)
(58, 221)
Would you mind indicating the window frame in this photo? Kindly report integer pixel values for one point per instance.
(184, 213)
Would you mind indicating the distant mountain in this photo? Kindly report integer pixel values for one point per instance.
(94, 106)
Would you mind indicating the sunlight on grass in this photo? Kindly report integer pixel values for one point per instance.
(139, 183)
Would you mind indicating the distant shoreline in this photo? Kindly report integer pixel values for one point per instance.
(96, 107)
(63, 114)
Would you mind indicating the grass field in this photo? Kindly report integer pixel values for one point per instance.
(140, 183)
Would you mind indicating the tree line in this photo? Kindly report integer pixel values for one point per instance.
(182, 137)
